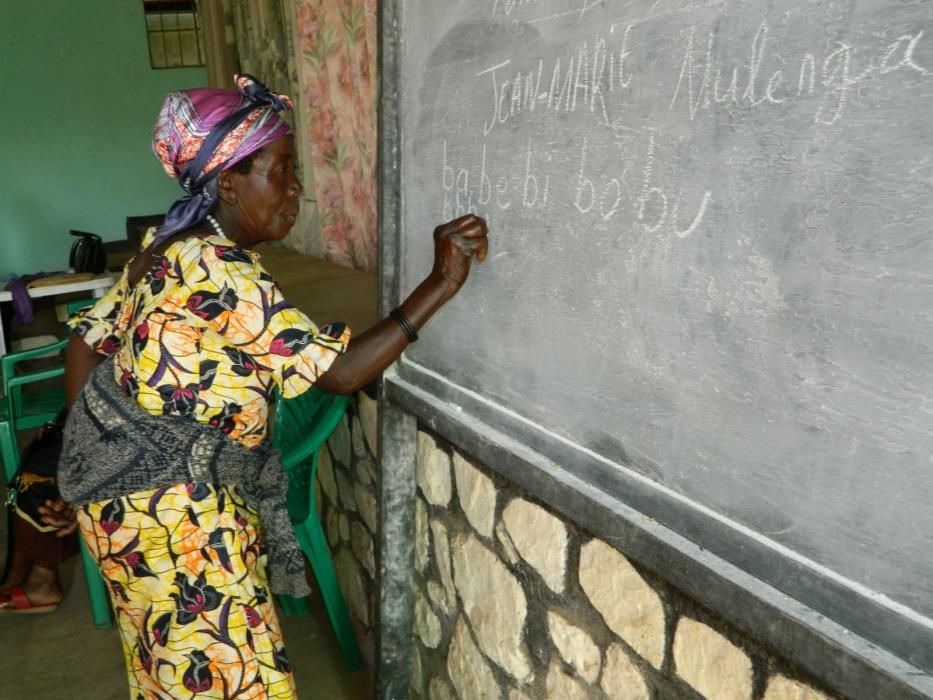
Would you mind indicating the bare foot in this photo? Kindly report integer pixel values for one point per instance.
(40, 586)
(43, 595)
(16, 602)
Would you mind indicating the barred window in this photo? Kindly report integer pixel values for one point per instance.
(174, 34)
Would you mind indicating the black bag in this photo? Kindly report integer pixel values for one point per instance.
(34, 482)
(87, 253)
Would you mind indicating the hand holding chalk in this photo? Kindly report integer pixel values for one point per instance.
(456, 244)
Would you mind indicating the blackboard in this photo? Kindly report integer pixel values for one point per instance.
(710, 287)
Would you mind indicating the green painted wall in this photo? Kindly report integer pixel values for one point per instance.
(78, 101)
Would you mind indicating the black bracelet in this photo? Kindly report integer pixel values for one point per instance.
(402, 320)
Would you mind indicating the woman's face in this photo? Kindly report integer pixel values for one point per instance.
(268, 195)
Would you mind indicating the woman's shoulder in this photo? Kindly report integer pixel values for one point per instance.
(200, 246)
(208, 259)
(210, 251)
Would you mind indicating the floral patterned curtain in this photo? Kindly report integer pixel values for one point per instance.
(323, 54)
(336, 43)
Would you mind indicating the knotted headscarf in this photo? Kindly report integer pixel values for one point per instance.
(202, 132)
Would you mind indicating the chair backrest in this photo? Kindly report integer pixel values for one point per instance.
(302, 425)
(13, 381)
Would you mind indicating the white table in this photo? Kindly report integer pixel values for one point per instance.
(97, 286)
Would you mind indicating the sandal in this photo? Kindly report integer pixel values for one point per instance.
(16, 602)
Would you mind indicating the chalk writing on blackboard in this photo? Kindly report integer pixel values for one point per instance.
(585, 76)
(702, 83)
(604, 197)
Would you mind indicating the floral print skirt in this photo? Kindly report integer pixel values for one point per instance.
(186, 570)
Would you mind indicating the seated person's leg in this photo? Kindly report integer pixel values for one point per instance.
(32, 579)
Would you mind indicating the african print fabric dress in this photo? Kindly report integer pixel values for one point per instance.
(205, 334)
(185, 571)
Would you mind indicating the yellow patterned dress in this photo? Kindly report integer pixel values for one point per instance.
(206, 334)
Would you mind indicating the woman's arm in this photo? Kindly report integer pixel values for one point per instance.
(80, 361)
(456, 244)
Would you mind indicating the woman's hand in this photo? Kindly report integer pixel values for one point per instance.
(60, 515)
(456, 243)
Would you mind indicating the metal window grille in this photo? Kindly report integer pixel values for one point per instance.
(174, 34)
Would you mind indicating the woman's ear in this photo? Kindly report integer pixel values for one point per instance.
(226, 187)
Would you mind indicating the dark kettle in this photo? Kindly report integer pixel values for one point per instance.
(87, 253)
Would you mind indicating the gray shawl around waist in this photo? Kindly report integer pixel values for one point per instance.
(114, 448)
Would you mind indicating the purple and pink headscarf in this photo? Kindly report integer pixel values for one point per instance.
(202, 132)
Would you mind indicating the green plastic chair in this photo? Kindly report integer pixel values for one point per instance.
(33, 409)
(302, 425)
(22, 410)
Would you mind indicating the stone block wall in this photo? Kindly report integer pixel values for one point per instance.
(513, 602)
(347, 503)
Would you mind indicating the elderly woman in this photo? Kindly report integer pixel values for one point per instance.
(170, 376)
